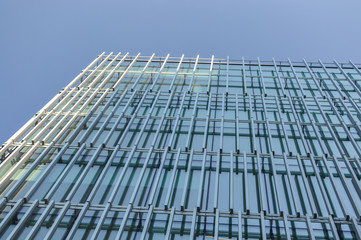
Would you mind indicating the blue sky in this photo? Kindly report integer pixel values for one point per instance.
(45, 44)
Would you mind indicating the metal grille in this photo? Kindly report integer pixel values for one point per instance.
(146, 147)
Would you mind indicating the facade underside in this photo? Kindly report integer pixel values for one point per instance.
(148, 147)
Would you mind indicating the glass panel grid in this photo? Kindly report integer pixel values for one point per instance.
(149, 147)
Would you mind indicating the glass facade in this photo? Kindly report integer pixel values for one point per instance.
(147, 147)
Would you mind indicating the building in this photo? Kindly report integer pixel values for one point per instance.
(147, 147)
